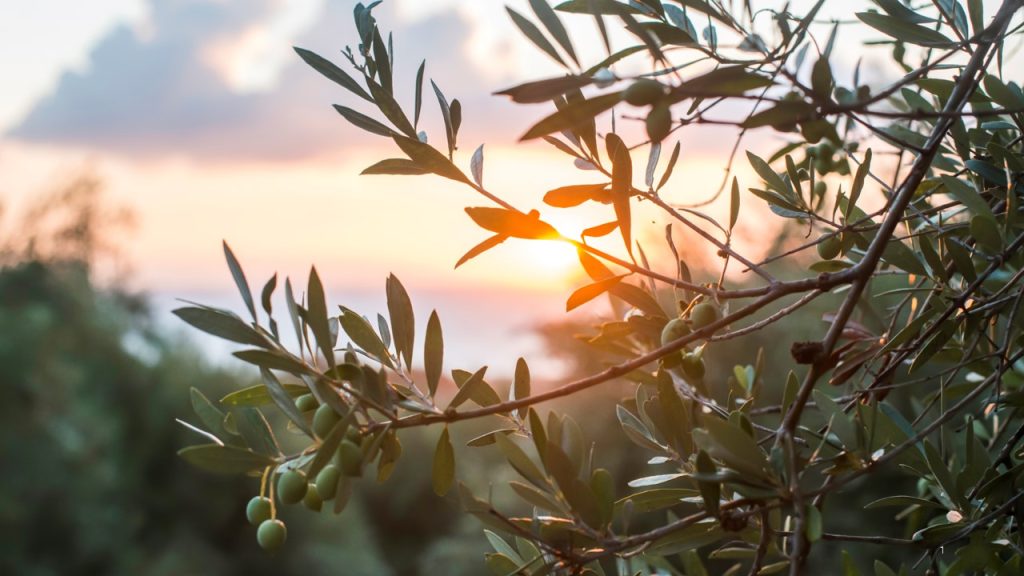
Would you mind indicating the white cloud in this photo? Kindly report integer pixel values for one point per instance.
(206, 81)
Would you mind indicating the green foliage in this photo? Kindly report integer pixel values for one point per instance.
(908, 395)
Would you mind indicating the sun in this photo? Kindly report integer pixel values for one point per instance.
(550, 261)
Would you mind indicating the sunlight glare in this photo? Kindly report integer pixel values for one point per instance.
(551, 261)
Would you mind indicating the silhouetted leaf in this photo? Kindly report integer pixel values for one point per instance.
(724, 81)
(332, 72)
(360, 120)
(396, 166)
(240, 281)
(390, 109)
(554, 26)
(858, 183)
(429, 159)
(622, 186)
(419, 94)
(587, 293)
(574, 195)
(573, 116)
(481, 248)
(534, 35)
(600, 230)
(512, 223)
(544, 90)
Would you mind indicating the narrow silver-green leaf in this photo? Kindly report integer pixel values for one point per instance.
(258, 395)
(433, 353)
(240, 281)
(225, 459)
(444, 464)
(222, 324)
(403, 321)
(362, 334)
(284, 401)
(316, 307)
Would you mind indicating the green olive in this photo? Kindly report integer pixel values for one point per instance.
(324, 420)
(703, 314)
(258, 510)
(820, 188)
(351, 458)
(693, 366)
(674, 330)
(292, 486)
(659, 123)
(327, 481)
(312, 499)
(643, 92)
(271, 535)
(829, 247)
(306, 403)
(823, 164)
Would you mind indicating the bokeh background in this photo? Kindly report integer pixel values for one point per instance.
(135, 136)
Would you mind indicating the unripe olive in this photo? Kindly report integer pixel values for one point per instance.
(703, 314)
(327, 481)
(823, 164)
(305, 403)
(258, 510)
(643, 92)
(826, 149)
(291, 486)
(324, 420)
(829, 247)
(843, 168)
(659, 123)
(820, 188)
(312, 499)
(693, 366)
(674, 330)
(271, 534)
(350, 456)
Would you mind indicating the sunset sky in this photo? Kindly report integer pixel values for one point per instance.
(199, 117)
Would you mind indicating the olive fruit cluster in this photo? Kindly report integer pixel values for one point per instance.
(647, 92)
(271, 532)
(294, 486)
(700, 316)
(824, 161)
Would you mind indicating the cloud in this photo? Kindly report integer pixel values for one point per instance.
(171, 91)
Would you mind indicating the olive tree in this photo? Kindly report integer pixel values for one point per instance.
(899, 206)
